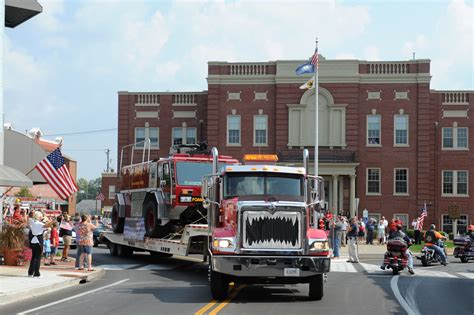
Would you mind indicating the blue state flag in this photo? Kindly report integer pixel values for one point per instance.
(305, 68)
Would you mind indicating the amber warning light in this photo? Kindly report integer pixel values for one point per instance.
(260, 158)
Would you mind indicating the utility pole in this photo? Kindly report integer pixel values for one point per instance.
(107, 152)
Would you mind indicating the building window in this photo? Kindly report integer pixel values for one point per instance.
(191, 135)
(455, 138)
(111, 191)
(447, 223)
(179, 138)
(403, 218)
(401, 130)
(455, 183)
(260, 130)
(139, 137)
(401, 181)
(233, 130)
(153, 136)
(373, 130)
(373, 181)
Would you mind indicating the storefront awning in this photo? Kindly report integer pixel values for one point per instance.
(10, 177)
(18, 11)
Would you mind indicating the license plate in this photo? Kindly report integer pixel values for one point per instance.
(292, 272)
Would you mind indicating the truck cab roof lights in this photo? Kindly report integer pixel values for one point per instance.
(260, 158)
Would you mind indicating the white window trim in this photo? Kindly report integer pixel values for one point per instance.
(367, 131)
(140, 146)
(255, 131)
(455, 139)
(113, 196)
(395, 144)
(455, 184)
(367, 181)
(240, 132)
(447, 214)
(395, 181)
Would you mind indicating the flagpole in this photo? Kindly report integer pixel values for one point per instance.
(316, 122)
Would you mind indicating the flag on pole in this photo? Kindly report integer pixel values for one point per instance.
(100, 196)
(421, 218)
(308, 85)
(55, 171)
(306, 67)
(315, 58)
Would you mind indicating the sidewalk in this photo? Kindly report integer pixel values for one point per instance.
(15, 284)
(375, 250)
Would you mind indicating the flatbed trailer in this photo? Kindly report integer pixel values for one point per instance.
(192, 239)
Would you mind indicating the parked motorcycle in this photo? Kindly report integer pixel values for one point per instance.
(396, 257)
(429, 255)
(465, 249)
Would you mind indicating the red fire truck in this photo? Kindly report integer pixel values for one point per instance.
(159, 206)
(260, 226)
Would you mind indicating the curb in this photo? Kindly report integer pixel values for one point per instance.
(23, 294)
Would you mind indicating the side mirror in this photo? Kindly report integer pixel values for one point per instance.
(206, 203)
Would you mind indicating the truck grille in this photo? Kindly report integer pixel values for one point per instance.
(264, 230)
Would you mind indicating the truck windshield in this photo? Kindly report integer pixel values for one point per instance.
(247, 184)
(191, 173)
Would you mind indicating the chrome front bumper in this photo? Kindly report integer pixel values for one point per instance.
(270, 266)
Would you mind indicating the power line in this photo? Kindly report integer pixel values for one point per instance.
(79, 132)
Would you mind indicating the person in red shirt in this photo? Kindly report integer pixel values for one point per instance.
(19, 216)
(54, 242)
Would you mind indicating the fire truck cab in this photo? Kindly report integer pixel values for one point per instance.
(260, 222)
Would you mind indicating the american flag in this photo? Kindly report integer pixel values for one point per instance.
(421, 218)
(100, 196)
(55, 171)
(314, 59)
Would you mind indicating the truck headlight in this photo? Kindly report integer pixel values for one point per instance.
(185, 199)
(319, 246)
(222, 243)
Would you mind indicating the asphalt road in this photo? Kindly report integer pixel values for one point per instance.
(146, 285)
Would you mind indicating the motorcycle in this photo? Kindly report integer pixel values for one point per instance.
(396, 257)
(465, 249)
(429, 255)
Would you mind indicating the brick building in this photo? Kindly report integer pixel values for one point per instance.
(388, 143)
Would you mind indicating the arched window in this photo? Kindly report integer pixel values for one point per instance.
(332, 121)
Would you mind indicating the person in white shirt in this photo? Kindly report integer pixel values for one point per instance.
(37, 228)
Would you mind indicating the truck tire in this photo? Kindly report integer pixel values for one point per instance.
(113, 249)
(219, 285)
(124, 251)
(152, 225)
(117, 221)
(316, 287)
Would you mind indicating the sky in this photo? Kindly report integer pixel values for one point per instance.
(64, 67)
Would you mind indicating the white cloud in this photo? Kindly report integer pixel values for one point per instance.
(345, 56)
(418, 45)
(49, 19)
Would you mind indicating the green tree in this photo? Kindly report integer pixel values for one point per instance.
(24, 192)
(88, 189)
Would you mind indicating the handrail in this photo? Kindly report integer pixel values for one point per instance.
(133, 145)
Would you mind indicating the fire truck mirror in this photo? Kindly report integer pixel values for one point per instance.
(206, 203)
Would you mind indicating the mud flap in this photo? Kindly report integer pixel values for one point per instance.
(161, 211)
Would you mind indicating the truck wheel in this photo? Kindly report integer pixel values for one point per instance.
(316, 289)
(152, 227)
(464, 259)
(124, 251)
(219, 285)
(113, 249)
(117, 222)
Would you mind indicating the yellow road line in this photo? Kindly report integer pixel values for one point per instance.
(205, 308)
(224, 304)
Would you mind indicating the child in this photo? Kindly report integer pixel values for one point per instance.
(54, 242)
(47, 246)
